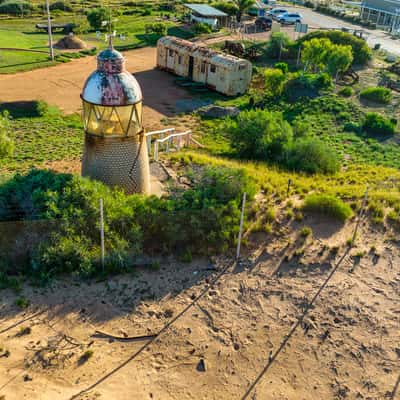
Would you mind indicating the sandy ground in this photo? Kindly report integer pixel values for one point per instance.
(61, 85)
(347, 346)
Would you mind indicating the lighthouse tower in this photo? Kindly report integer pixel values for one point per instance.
(115, 150)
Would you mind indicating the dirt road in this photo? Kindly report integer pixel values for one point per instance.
(61, 85)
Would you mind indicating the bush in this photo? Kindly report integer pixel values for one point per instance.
(307, 85)
(377, 94)
(228, 8)
(6, 143)
(200, 28)
(361, 51)
(312, 156)
(96, 17)
(282, 66)
(16, 7)
(260, 134)
(274, 82)
(327, 205)
(309, 4)
(346, 92)
(352, 126)
(279, 43)
(61, 5)
(25, 109)
(377, 124)
(201, 220)
(157, 28)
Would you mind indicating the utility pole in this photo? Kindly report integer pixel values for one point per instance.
(49, 31)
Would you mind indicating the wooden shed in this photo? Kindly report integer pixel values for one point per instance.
(221, 72)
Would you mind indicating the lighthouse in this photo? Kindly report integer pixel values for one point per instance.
(115, 150)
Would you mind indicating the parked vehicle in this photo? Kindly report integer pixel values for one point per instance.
(263, 23)
(289, 18)
(275, 12)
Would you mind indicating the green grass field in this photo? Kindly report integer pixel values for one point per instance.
(22, 34)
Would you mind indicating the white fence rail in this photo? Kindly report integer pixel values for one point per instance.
(177, 140)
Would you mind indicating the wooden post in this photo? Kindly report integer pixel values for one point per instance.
(241, 227)
(298, 57)
(289, 182)
(360, 214)
(102, 234)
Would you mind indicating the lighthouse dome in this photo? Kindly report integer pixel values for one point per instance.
(111, 84)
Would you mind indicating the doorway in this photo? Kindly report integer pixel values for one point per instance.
(191, 63)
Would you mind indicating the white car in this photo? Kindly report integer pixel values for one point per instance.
(289, 18)
(276, 12)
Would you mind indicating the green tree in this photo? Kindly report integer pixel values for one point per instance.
(242, 6)
(339, 59)
(314, 54)
(6, 143)
(274, 82)
(99, 18)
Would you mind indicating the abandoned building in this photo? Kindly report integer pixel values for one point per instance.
(221, 72)
(384, 13)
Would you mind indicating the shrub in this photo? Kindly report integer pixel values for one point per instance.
(200, 220)
(377, 94)
(61, 5)
(274, 82)
(260, 134)
(309, 4)
(327, 205)
(305, 231)
(228, 8)
(377, 124)
(282, 66)
(346, 92)
(96, 16)
(312, 156)
(352, 126)
(279, 43)
(157, 28)
(200, 28)
(360, 49)
(16, 7)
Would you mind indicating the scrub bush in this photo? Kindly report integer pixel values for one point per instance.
(378, 94)
(327, 205)
(346, 92)
(312, 156)
(61, 5)
(361, 52)
(16, 7)
(260, 134)
(377, 124)
(200, 28)
(201, 220)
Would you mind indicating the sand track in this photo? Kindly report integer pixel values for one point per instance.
(61, 85)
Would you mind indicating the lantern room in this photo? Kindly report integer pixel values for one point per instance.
(112, 98)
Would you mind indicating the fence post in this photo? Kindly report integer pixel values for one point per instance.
(156, 150)
(149, 144)
(102, 234)
(241, 227)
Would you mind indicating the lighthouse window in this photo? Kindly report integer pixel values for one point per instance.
(203, 68)
(171, 53)
(213, 69)
(180, 60)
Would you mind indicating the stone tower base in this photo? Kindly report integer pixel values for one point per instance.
(117, 161)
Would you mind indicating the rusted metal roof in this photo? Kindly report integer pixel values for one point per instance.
(218, 58)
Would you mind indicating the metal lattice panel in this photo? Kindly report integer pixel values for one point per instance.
(121, 162)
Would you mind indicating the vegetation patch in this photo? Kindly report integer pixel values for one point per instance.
(327, 205)
(378, 94)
